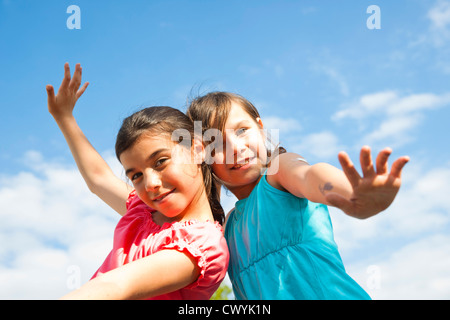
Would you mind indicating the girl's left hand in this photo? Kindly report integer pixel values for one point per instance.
(376, 190)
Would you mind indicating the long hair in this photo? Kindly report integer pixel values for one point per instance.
(160, 121)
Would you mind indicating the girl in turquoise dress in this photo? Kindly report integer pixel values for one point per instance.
(279, 234)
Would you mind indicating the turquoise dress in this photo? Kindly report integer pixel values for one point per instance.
(282, 247)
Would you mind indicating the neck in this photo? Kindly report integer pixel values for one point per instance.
(199, 209)
(242, 192)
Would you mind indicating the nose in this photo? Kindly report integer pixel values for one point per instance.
(152, 180)
(235, 146)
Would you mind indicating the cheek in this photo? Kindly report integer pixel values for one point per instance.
(258, 146)
(143, 196)
(218, 169)
(185, 176)
(181, 156)
(218, 158)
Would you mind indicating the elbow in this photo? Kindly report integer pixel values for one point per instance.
(92, 188)
(94, 183)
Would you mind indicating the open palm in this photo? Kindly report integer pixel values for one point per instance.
(375, 190)
(64, 102)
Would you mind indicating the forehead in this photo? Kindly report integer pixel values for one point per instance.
(236, 115)
(145, 146)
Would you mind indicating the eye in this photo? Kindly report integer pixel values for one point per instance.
(241, 131)
(136, 176)
(160, 162)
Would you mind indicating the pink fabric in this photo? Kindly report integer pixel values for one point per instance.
(137, 236)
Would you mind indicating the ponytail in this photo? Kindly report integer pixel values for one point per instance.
(213, 193)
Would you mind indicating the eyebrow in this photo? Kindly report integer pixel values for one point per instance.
(240, 123)
(153, 155)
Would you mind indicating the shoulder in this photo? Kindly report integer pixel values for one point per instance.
(282, 166)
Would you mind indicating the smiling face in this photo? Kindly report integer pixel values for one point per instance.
(164, 175)
(240, 162)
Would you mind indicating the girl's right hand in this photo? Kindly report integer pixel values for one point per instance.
(63, 103)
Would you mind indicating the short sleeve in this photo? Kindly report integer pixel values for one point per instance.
(135, 204)
(203, 241)
(132, 200)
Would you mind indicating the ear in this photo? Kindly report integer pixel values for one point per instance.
(198, 150)
(261, 126)
(260, 123)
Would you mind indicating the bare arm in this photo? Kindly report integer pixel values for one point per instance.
(98, 175)
(160, 273)
(359, 197)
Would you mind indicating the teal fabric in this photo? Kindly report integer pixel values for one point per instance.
(282, 247)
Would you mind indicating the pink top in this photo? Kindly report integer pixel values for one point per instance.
(137, 236)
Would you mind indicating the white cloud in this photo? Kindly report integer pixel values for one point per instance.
(436, 37)
(321, 146)
(393, 129)
(418, 102)
(418, 270)
(389, 102)
(387, 116)
(50, 221)
(439, 16)
(335, 76)
(284, 125)
(366, 105)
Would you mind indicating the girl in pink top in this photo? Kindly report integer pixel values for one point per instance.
(169, 242)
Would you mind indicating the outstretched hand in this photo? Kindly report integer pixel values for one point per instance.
(376, 190)
(64, 102)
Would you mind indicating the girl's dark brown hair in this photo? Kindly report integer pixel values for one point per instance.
(160, 121)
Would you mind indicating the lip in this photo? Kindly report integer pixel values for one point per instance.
(163, 196)
(245, 164)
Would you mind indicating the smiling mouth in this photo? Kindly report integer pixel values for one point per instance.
(162, 196)
(245, 162)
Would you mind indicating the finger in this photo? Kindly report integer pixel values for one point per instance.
(349, 169)
(76, 79)
(50, 93)
(66, 79)
(366, 162)
(398, 165)
(82, 89)
(382, 158)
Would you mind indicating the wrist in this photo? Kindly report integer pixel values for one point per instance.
(62, 118)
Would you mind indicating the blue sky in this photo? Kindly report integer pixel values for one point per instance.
(314, 70)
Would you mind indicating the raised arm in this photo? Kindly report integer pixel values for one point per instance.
(359, 197)
(162, 272)
(98, 175)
